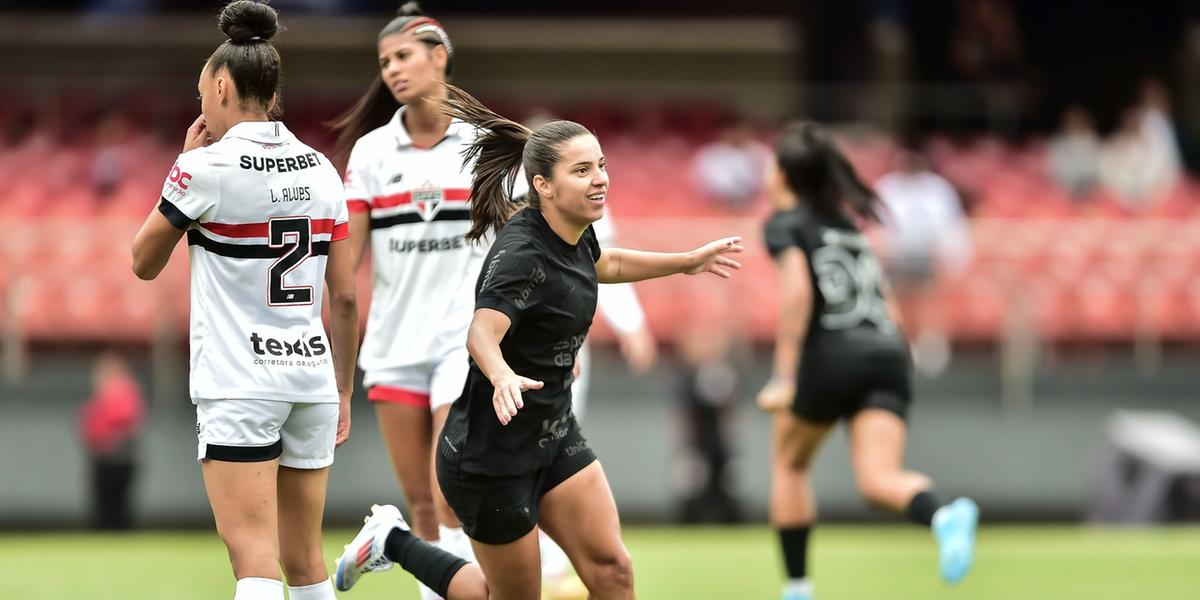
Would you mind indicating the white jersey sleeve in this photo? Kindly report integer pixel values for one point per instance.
(191, 191)
(618, 303)
(521, 188)
(360, 179)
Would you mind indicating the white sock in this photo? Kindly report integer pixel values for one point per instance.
(798, 586)
(316, 591)
(456, 542)
(555, 563)
(426, 593)
(258, 588)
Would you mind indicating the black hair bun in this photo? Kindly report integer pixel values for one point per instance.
(245, 20)
(410, 9)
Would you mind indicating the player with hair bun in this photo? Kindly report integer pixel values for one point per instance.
(266, 225)
(408, 194)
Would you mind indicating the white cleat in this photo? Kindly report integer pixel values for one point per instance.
(364, 553)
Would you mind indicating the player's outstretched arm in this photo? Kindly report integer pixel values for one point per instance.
(795, 308)
(618, 265)
(343, 317)
(483, 343)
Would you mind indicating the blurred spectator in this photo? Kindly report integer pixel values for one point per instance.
(927, 238)
(730, 169)
(1158, 127)
(1074, 152)
(987, 54)
(113, 155)
(109, 424)
(1136, 164)
(709, 391)
(987, 42)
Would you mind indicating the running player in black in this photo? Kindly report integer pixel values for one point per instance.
(839, 355)
(511, 457)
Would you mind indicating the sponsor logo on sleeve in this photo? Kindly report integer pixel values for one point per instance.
(178, 178)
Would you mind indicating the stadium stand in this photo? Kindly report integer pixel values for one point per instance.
(1091, 270)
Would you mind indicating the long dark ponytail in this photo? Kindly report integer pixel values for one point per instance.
(378, 105)
(497, 153)
(501, 149)
(819, 174)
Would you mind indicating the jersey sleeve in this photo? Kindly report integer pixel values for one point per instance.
(781, 233)
(512, 280)
(341, 221)
(606, 232)
(592, 242)
(190, 191)
(520, 189)
(360, 179)
(618, 304)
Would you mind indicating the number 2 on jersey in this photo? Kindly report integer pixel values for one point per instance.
(295, 233)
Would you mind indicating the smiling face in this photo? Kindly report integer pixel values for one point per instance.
(410, 68)
(578, 184)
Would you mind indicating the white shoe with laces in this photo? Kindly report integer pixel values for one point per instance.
(364, 553)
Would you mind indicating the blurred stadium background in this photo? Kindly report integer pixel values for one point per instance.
(1058, 323)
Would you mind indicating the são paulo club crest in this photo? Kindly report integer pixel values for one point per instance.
(427, 199)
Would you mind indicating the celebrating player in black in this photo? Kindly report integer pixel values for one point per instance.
(511, 457)
(839, 355)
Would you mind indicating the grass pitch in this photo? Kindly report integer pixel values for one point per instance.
(846, 562)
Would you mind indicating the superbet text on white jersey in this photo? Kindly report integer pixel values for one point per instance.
(424, 271)
(260, 209)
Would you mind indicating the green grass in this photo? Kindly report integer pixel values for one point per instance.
(893, 562)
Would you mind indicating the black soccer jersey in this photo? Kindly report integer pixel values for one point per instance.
(848, 304)
(547, 288)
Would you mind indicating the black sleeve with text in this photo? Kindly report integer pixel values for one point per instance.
(511, 280)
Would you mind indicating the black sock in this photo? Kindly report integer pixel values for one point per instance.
(922, 507)
(795, 550)
(431, 565)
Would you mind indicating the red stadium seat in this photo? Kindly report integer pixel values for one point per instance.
(977, 305)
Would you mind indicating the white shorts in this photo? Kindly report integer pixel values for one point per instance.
(430, 385)
(301, 435)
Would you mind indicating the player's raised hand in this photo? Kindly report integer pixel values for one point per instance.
(711, 257)
(507, 400)
(197, 135)
(778, 394)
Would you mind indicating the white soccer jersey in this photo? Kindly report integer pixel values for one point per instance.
(424, 271)
(617, 302)
(261, 209)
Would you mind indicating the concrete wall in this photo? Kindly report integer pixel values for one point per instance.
(1038, 463)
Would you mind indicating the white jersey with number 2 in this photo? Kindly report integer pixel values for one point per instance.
(260, 209)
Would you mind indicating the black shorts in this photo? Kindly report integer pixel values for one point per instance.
(502, 509)
(836, 386)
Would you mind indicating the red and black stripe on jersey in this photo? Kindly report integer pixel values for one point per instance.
(445, 214)
(458, 212)
(197, 237)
